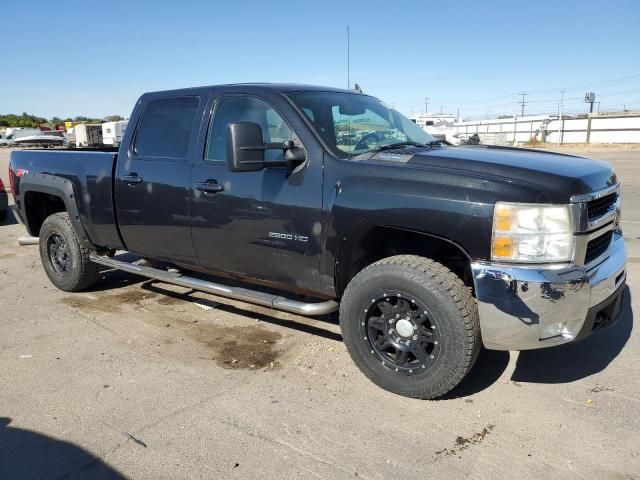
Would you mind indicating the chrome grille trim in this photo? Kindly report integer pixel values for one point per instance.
(579, 210)
(594, 195)
(586, 230)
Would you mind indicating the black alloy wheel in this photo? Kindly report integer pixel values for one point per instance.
(401, 333)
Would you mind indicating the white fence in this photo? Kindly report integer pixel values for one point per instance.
(595, 129)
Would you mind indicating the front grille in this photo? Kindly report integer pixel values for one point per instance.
(598, 246)
(600, 206)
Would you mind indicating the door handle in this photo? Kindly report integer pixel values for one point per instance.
(210, 186)
(132, 179)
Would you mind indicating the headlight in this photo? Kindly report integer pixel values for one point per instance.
(532, 233)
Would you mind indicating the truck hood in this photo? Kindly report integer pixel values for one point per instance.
(557, 176)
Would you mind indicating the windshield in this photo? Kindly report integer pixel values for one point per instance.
(353, 124)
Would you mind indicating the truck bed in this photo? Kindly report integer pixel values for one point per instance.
(90, 173)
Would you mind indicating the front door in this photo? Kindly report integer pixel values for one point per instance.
(153, 181)
(263, 225)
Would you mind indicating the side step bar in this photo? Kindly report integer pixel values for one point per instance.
(236, 293)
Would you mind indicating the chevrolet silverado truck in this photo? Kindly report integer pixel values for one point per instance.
(316, 199)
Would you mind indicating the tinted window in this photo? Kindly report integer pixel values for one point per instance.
(165, 128)
(246, 109)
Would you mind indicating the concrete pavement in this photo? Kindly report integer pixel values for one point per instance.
(137, 379)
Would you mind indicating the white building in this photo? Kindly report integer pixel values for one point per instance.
(440, 126)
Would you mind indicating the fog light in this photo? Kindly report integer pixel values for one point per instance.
(552, 330)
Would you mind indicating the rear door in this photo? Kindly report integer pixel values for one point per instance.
(153, 180)
(263, 225)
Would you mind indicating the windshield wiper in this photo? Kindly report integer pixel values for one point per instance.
(433, 143)
(391, 146)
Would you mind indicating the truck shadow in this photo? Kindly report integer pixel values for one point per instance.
(113, 279)
(251, 312)
(573, 361)
(29, 455)
(561, 364)
(490, 365)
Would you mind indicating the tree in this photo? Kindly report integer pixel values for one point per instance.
(24, 120)
(113, 118)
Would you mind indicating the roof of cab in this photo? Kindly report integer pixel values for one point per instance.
(277, 87)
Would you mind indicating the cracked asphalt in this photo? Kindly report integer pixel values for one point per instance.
(137, 379)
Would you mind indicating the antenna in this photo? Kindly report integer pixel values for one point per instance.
(348, 59)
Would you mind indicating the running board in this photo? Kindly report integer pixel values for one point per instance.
(236, 293)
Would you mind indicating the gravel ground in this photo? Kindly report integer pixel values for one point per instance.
(137, 379)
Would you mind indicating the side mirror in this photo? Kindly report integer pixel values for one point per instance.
(245, 147)
(293, 155)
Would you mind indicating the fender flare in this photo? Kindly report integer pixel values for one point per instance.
(58, 187)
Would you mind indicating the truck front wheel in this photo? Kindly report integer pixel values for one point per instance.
(64, 260)
(411, 326)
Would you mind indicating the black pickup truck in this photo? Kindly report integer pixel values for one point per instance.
(316, 199)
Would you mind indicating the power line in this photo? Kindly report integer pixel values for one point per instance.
(611, 82)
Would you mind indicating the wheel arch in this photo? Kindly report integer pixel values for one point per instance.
(48, 194)
(381, 241)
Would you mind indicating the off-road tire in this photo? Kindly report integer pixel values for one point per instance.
(81, 272)
(450, 304)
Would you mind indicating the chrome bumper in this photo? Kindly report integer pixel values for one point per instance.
(526, 307)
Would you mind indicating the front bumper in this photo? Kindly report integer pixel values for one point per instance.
(526, 307)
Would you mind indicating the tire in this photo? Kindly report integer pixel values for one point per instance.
(418, 307)
(64, 260)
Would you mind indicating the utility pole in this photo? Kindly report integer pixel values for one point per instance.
(560, 105)
(441, 107)
(426, 105)
(458, 115)
(523, 103)
(348, 59)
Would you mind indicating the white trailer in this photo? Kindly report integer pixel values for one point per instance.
(88, 135)
(112, 132)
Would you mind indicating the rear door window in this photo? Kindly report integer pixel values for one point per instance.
(165, 128)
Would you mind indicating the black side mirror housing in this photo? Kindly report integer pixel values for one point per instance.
(293, 155)
(245, 147)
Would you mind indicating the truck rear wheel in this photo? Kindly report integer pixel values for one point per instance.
(411, 326)
(64, 260)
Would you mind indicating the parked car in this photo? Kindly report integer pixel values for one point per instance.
(4, 202)
(429, 251)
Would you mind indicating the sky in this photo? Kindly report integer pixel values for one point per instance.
(68, 58)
